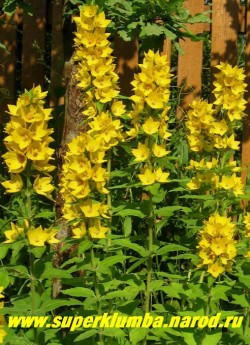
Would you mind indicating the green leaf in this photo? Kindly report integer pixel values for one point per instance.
(198, 197)
(218, 292)
(168, 211)
(169, 34)
(189, 337)
(53, 304)
(113, 332)
(212, 338)
(241, 300)
(130, 212)
(86, 335)
(45, 214)
(156, 285)
(200, 18)
(51, 272)
(151, 30)
(3, 250)
(137, 334)
(171, 248)
(134, 246)
(79, 292)
(127, 226)
(106, 263)
(84, 245)
(18, 270)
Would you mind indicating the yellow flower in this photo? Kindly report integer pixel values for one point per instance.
(161, 176)
(100, 186)
(147, 177)
(38, 152)
(215, 269)
(97, 230)
(227, 182)
(15, 161)
(159, 150)
(90, 209)
(79, 231)
(13, 234)
(194, 184)
(233, 144)
(99, 174)
(51, 238)
(89, 11)
(14, 185)
(97, 157)
(141, 153)
(79, 188)
(100, 20)
(155, 100)
(37, 237)
(2, 335)
(43, 186)
(151, 126)
(1, 290)
(118, 108)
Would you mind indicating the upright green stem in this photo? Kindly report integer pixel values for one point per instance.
(247, 321)
(147, 305)
(97, 292)
(109, 201)
(33, 294)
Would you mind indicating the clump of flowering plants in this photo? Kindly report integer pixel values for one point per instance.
(150, 231)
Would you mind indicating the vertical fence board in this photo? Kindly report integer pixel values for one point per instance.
(190, 63)
(126, 54)
(33, 35)
(246, 120)
(8, 32)
(57, 58)
(167, 50)
(224, 35)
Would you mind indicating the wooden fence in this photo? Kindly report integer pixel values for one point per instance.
(28, 37)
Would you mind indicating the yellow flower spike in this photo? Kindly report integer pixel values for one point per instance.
(151, 126)
(37, 237)
(96, 230)
(14, 185)
(161, 176)
(1, 290)
(147, 177)
(217, 245)
(141, 153)
(43, 186)
(90, 209)
(79, 231)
